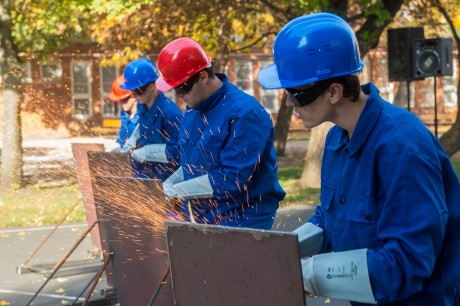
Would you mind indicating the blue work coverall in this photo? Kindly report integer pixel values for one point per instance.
(127, 126)
(392, 189)
(159, 124)
(229, 136)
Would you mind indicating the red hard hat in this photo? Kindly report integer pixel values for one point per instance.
(178, 61)
(117, 93)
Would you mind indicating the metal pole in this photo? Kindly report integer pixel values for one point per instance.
(163, 280)
(50, 234)
(435, 110)
(408, 94)
(98, 276)
(62, 261)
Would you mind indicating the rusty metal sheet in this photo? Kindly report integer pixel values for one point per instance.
(216, 265)
(133, 212)
(79, 151)
(110, 164)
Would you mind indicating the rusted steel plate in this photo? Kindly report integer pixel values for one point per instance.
(133, 212)
(79, 151)
(110, 164)
(215, 265)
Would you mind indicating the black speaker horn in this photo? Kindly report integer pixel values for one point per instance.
(399, 43)
(432, 57)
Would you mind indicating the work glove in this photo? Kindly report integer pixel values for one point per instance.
(151, 153)
(113, 148)
(339, 275)
(195, 188)
(131, 142)
(169, 191)
(176, 177)
(310, 239)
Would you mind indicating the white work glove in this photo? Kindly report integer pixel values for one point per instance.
(113, 148)
(340, 275)
(310, 239)
(131, 142)
(195, 188)
(176, 177)
(151, 153)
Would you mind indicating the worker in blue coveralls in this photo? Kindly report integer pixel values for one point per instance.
(128, 113)
(154, 145)
(228, 162)
(387, 230)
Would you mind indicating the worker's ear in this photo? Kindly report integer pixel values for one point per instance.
(335, 92)
(203, 76)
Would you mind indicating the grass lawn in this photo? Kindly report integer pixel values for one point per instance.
(31, 206)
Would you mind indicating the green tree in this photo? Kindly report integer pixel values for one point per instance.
(10, 76)
(29, 28)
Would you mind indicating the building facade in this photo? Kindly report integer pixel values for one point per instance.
(71, 89)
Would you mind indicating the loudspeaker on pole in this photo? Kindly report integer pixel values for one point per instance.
(432, 57)
(400, 43)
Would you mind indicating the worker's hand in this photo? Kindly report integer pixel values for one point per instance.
(151, 153)
(113, 148)
(169, 191)
(139, 155)
(338, 275)
(131, 142)
(309, 285)
(310, 239)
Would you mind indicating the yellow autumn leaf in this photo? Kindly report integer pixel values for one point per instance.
(60, 290)
(4, 235)
(22, 234)
(4, 303)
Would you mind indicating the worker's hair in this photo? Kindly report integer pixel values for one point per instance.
(210, 71)
(351, 85)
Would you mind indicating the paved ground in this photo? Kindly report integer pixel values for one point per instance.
(17, 244)
(50, 158)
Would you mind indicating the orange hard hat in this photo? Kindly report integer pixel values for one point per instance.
(117, 93)
(178, 61)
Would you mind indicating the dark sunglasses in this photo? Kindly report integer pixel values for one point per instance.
(187, 85)
(304, 97)
(140, 90)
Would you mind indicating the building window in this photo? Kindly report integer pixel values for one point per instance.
(27, 77)
(81, 89)
(244, 78)
(51, 72)
(269, 97)
(108, 75)
(449, 89)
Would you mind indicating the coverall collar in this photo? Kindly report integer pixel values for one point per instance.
(366, 122)
(216, 97)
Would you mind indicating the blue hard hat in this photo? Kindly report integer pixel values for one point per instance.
(312, 48)
(139, 73)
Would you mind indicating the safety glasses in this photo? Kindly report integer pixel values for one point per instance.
(304, 97)
(140, 90)
(187, 85)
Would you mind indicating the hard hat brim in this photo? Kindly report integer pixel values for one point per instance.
(269, 78)
(114, 98)
(162, 85)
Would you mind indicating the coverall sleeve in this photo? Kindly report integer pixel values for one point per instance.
(171, 126)
(241, 153)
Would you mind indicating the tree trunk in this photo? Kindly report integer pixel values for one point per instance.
(311, 175)
(283, 122)
(450, 140)
(10, 74)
